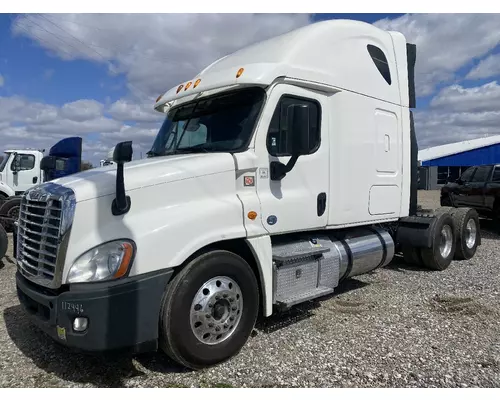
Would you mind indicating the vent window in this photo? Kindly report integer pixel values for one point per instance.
(380, 61)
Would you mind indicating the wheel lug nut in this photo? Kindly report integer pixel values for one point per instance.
(208, 316)
(231, 318)
(217, 297)
(210, 305)
(231, 300)
(224, 295)
(226, 326)
(233, 308)
(211, 325)
(217, 328)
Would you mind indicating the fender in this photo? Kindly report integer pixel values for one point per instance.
(6, 190)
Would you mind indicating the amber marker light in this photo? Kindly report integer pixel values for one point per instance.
(239, 73)
(179, 88)
(197, 83)
(128, 250)
(159, 98)
(252, 215)
(188, 85)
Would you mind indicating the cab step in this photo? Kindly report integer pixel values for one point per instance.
(304, 296)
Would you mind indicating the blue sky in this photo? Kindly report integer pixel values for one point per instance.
(95, 76)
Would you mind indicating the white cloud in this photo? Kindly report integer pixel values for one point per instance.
(154, 51)
(445, 43)
(81, 110)
(456, 98)
(124, 110)
(489, 67)
(2, 80)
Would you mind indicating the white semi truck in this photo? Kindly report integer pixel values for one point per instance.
(280, 171)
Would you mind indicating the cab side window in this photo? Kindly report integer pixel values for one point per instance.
(25, 162)
(482, 174)
(278, 136)
(467, 175)
(496, 175)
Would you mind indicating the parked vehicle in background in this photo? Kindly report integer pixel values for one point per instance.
(478, 187)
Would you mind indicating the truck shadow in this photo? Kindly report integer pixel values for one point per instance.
(489, 229)
(303, 311)
(101, 370)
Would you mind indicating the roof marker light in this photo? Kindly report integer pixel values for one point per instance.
(179, 88)
(239, 73)
(197, 83)
(188, 85)
(159, 98)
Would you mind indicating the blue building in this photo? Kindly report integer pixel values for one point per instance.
(441, 163)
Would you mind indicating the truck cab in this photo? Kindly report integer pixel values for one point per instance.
(20, 170)
(280, 170)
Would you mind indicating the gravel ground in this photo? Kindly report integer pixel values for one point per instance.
(396, 327)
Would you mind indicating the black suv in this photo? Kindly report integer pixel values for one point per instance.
(478, 187)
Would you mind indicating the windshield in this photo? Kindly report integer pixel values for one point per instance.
(223, 122)
(4, 161)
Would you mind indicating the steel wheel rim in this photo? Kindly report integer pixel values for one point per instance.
(446, 242)
(216, 310)
(470, 233)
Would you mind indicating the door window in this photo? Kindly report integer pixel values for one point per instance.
(25, 162)
(481, 174)
(467, 175)
(496, 175)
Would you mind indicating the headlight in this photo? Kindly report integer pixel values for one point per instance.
(107, 261)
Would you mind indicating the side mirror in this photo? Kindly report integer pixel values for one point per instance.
(298, 126)
(48, 163)
(123, 152)
(298, 131)
(16, 164)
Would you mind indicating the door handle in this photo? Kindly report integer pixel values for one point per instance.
(35, 179)
(321, 204)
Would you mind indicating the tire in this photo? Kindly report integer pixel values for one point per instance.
(467, 232)
(439, 258)
(184, 342)
(4, 242)
(443, 210)
(10, 208)
(412, 256)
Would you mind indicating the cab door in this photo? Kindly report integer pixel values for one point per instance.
(298, 201)
(24, 171)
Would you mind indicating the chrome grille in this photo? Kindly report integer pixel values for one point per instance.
(45, 216)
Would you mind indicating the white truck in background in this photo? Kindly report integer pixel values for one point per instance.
(280, 171)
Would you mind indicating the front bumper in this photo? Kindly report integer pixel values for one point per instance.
(121, 314)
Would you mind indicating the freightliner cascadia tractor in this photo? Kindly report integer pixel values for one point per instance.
(280, 171)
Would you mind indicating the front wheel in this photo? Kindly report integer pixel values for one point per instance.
(209, 310)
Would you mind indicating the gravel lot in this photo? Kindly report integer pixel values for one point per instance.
(398, 326)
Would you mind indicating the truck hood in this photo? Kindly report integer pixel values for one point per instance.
(142, 173)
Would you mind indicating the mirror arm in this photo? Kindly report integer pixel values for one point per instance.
(279, 170)
(121, 203)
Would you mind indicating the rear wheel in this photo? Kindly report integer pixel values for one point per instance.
(467, 232)
(209, 310)
(4, 242)
(411, 255)
(10, 209)
(442, 251)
